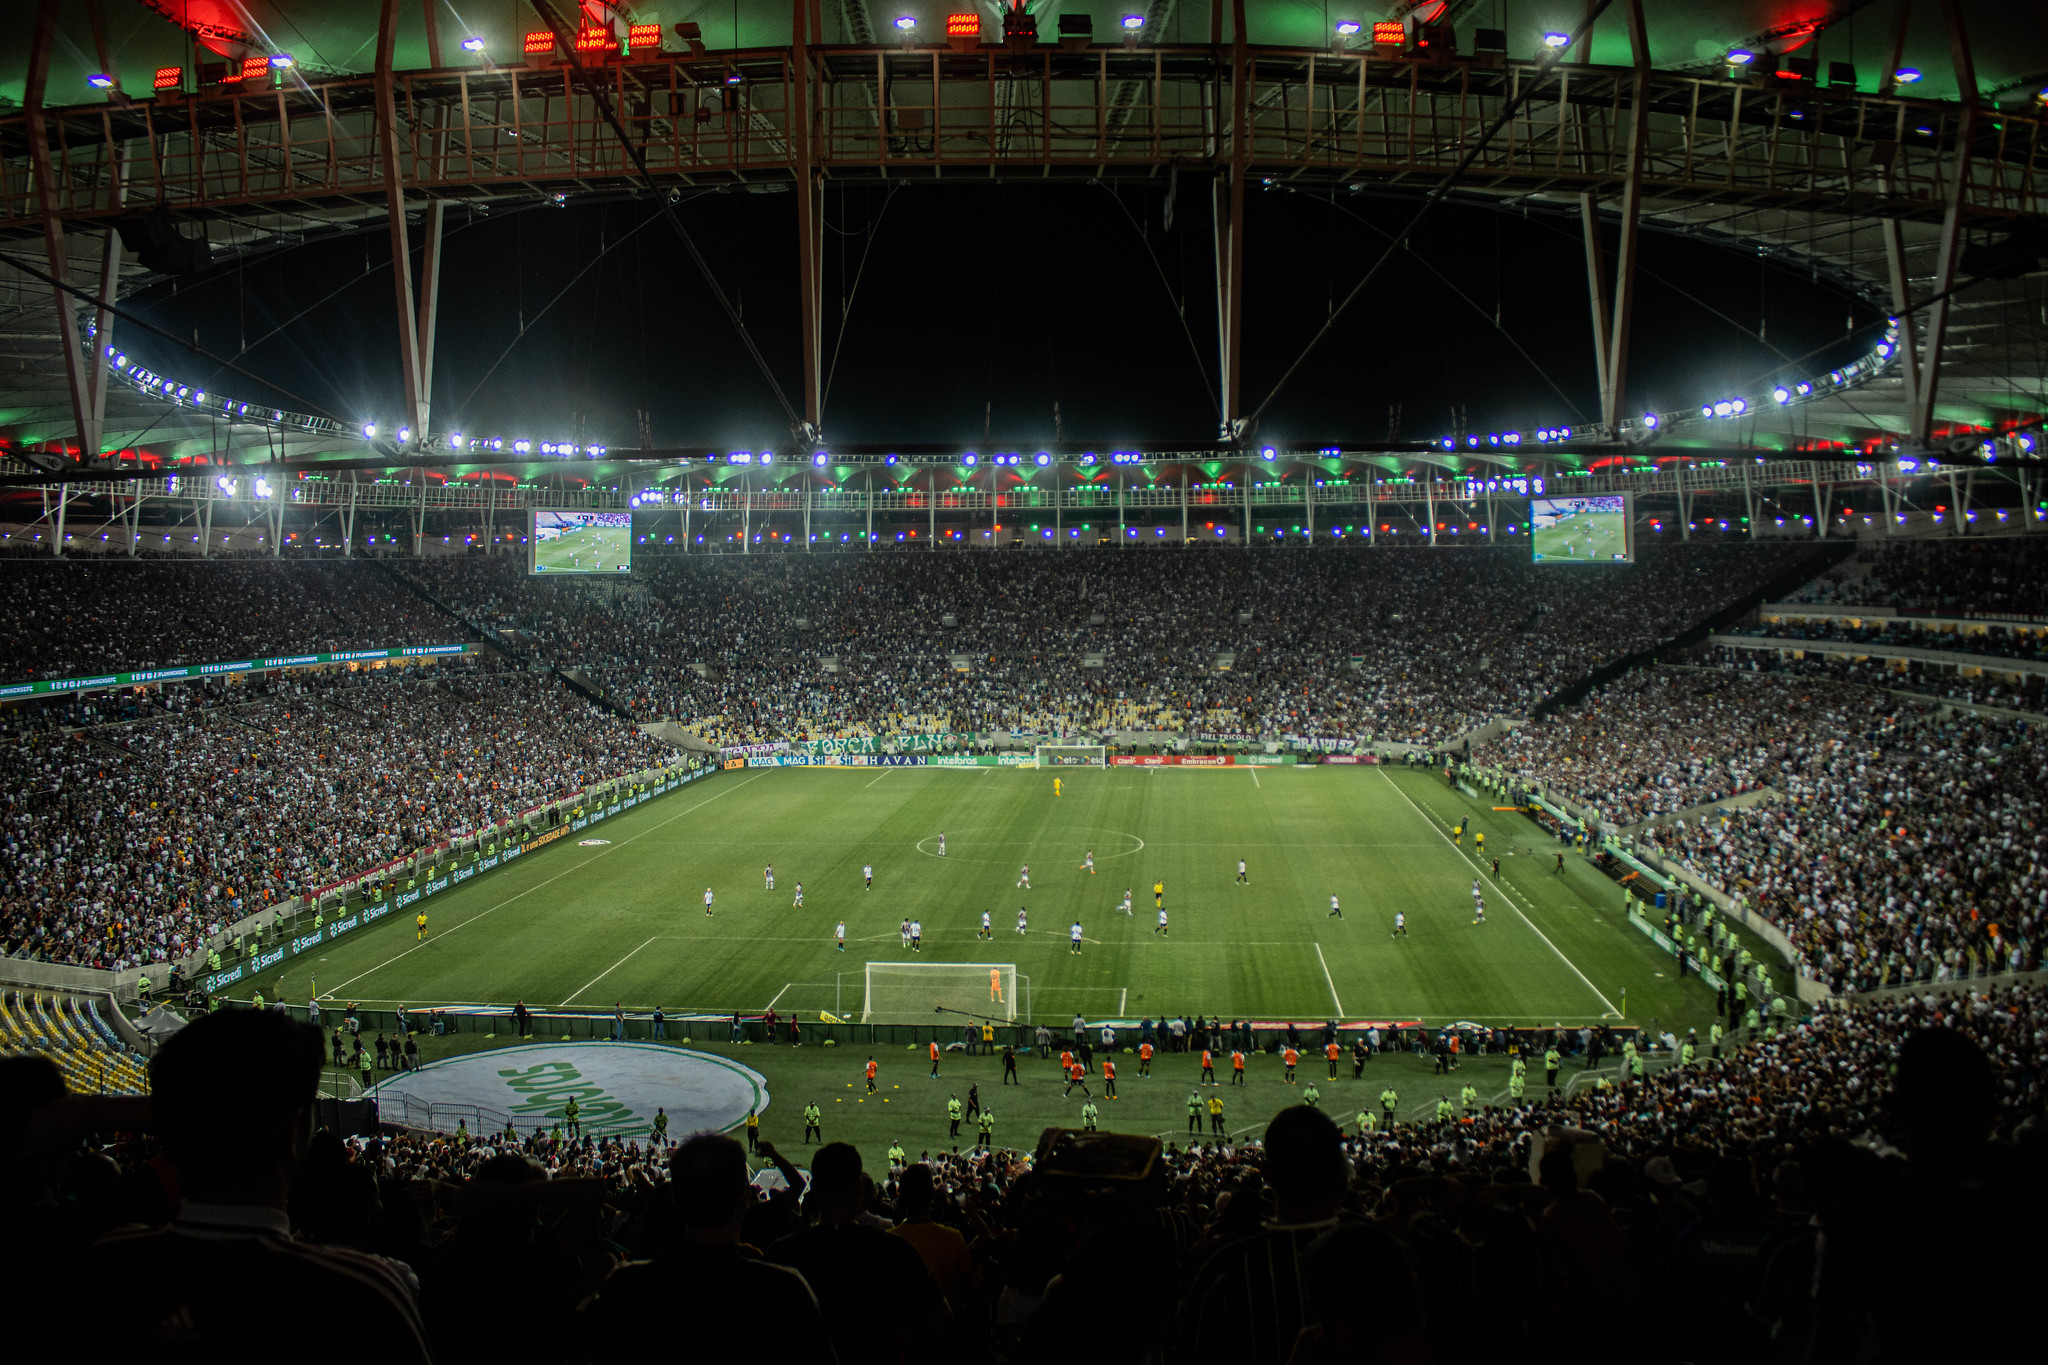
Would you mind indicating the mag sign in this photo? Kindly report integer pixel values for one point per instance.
(1588, 530)
(564, 542)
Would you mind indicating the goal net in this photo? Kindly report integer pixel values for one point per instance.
(1072, 755)
(917, 992)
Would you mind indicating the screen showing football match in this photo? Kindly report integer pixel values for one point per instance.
(580, 542)
(1580, 530)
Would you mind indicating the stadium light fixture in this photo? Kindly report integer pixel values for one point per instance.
(1906, 75)
(1346, 27)
(906, 23)
(818, 460)
(970, 459)
(282, 61)
(1268, 453)
(100, 80)
(1556, 40)
(472, 44)
(1133, 22)
(1739, 56)
(369, 431)
(1043, 459)
(404, 435)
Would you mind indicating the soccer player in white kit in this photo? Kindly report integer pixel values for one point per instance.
(986, 931)
(768, 873)
(917, 936)
(1335, 912)
(707, 902)
(839, 934)
(1074, 938)
(904, 929)
(1024, 876)
(1479, 911)
(798, 903)
(942, 843)
(867, 875)
(1241, 879)
(1088, 862)
(1161, 930)
(1400, 925)
(1023, 927)
(1126, 906)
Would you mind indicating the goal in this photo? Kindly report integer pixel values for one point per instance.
(1072, 755)
(915, 992)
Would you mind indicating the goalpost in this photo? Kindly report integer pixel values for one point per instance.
(913, 992)
(1072, 755)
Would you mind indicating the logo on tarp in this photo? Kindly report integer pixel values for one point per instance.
(616, 1086)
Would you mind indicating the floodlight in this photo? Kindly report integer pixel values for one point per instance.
(404, 435)
(819, 459)
(906, 22)
(1555, 40)
(472, 45)
(282, 60)
(1267, 453)
(1650, 420)
(1782, 394)
(1133, 22)
(1345, 28)
(970, 459)
(1743, 57)
(99, 80)
(369, 431)
(1906, 75)
(1043, 459)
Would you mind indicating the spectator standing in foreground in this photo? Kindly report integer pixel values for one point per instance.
(872, 1287)
(233, 1103)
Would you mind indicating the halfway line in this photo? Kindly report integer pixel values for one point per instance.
(1328, 982)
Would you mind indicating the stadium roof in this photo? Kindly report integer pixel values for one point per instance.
(1995, 356)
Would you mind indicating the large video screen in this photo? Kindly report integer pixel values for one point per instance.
(1581, 530)
(580, 542)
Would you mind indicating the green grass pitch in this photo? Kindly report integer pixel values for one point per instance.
(589, 924)
(592, 549)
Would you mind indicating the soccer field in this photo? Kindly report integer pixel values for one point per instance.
(619, 917)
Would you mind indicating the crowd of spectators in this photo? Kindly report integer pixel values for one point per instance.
(1905, 844)
(1393, 645)
(1900, 633)
(2017, 692)
(1997, 575)
(137, 841)
(70, 618)
(1836, 1190)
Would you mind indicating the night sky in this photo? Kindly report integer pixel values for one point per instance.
(981, 306)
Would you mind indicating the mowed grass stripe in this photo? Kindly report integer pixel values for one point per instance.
(564, 915)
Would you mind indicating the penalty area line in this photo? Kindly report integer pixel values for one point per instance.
(574, 867)
(571, 999)
(1481, 871)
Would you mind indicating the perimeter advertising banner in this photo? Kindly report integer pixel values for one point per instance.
(870, 744)
(94, 682)
(1202, 760)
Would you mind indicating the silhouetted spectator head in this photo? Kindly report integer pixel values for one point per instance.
(1305, 1163)
(709, 1185)
(233, 1097)
(1944, 1093)
(837, 1189)
(914, 1191)
(29, 1169)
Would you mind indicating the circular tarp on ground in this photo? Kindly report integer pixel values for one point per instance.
(616, 1086)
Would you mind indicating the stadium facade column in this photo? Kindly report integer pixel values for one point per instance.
(63, 501)
(1749, 500)
(1684, 502)
(99, 371)
(806, 28)
(47, 204)
(1950, 245)
(348, 523)
(1227, 201)
(1308, 500)
(413, 363)
(1248, 505)
(1429, 501)
(1184, 476)
(1612, 324)
(807, 515)
(1823, 498)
